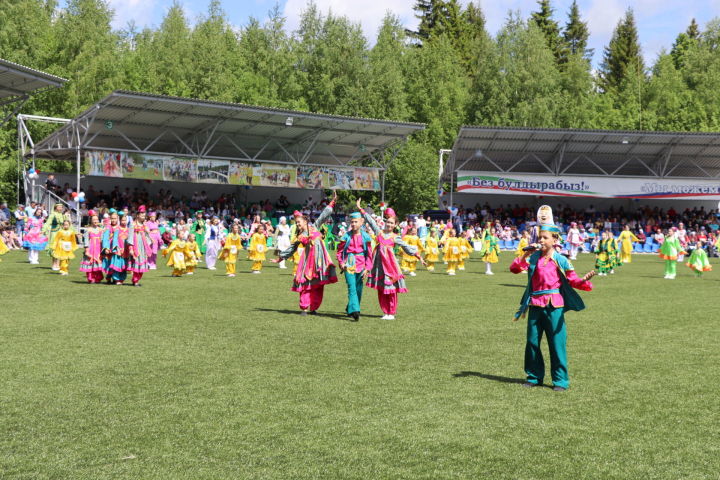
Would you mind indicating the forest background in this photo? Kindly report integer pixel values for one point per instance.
(448, 72)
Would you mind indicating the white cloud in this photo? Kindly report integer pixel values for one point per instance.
(369, 13)
(139, 11)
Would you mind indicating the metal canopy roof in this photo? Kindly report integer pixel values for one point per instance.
(17, 80)
(586, 152)
(146, 123)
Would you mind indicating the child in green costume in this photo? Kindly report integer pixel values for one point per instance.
(698, 260)
(669, 252)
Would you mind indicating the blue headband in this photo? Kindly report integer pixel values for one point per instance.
(549, 228)
(355, 215)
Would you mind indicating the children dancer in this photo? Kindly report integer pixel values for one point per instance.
(603, 262)
(549, 293)
(213, 238)
(92, 263)
(194, 255)
(353, 255)
(34, 240)
(3, 248)
(698, 261)
(490, 249)
(233, 244)
(409, 262)
(283, 238)
(626, 238)
(385, 275)
(119, 251)
(432, 250)
(451, 251)
(63, 247)
(155, 239)
(574, 239)
(314, 268)
(53, 224)
(107, 243)
(524, 242)
(465, 249)
(179, 253)
(257, 248)
(614, 251)
(140, 246)
(669, 251)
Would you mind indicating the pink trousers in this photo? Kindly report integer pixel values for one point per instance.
(388, 302)
(94, 277)
(136, 277)
(311, 299)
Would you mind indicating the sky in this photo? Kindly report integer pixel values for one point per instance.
(659, 21)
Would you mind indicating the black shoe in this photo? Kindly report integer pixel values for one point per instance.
(559, 389)
(530, 385)
(312, 312)
(355, 316)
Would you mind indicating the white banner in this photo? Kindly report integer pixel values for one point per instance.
(577, 186)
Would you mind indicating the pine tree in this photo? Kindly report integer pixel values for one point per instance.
(693, 31)
(622, 54)
(424, 13)
(576, 34)
(549, 27)
(684, 43)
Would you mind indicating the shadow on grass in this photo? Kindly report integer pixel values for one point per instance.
(511, 285)
(320, 313)
(486, 376)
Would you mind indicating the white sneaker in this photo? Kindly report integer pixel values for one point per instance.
(451, 273)
(231, 274)
(388, 317)
(212, 268)
(462, 269)
(612, 272)
(282, 267)
(189, 273)
(153, 267)
(489, 273)
(412, 274)
(256, 271)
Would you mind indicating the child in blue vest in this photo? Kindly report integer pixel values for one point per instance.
(549, 293)
(355, 260)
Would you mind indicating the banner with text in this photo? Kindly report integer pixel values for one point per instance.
(577, 186)
(182, 169)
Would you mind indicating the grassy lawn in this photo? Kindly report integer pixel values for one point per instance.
(206, 377)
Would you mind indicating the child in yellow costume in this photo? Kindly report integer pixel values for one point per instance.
(626, 239)
(195, 255)
(63, 246)
(409, 262)
(257, 248)
(451, 252)
(179, 252)
(465, 249)
(524, 242)
(233, 245)
(431, 250)
(490, 249)
(3, 248)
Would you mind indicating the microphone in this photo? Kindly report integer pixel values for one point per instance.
(531, 248)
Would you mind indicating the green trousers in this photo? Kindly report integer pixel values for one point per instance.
(670, 267)
(550, 321)
(355, 287)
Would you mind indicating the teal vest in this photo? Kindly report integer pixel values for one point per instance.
(570, 297)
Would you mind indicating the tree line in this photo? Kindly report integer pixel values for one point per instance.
(449, 71)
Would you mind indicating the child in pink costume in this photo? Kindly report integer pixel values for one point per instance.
(315, 267)
(153, 228)
(385, 275)
(92, 264)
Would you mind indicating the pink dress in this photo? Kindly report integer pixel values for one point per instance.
(92, 261)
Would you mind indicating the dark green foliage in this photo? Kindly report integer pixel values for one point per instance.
(622, 55)
(576, 34)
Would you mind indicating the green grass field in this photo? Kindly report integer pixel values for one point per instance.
(206, 377)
